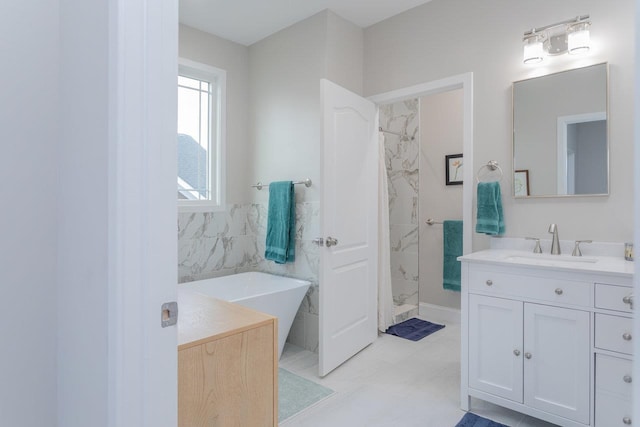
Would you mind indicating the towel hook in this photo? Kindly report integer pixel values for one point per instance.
(492, 166)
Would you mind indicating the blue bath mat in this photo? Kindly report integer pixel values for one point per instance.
(473, 420)
(413, 329)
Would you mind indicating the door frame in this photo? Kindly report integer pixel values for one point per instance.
(142, 269)
(460, 81)
(464, 82)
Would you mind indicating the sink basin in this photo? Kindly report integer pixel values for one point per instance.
(550, 259)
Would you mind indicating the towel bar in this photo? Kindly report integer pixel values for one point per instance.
(401, 135)
(259, 185)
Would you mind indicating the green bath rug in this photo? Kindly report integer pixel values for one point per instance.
(296, 393)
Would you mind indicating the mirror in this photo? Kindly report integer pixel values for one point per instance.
(560, 143)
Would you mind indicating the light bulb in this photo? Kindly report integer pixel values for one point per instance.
(533, 50)
(578, 38)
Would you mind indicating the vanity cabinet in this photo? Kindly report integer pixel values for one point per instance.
(553, 343)
(613, 351)
(532, 354)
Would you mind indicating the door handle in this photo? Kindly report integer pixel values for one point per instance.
(318, 241)
(169, 314)
(331, 241)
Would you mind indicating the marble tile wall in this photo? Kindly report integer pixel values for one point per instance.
(212, 244)
(402, 162)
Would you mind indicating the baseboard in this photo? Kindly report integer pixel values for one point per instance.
(439, 313)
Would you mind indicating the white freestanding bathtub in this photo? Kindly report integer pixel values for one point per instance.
(275, 295)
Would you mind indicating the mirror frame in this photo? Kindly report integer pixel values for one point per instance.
(513, 137)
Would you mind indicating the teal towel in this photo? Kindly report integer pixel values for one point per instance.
(452, 238)
(281, 223)
(489, 218)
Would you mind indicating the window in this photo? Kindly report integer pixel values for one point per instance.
(201, 133)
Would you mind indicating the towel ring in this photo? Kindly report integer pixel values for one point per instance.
(492, 166)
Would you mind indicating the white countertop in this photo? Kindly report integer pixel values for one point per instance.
(586, 264)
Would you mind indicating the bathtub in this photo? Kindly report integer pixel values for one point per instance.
(275, 295)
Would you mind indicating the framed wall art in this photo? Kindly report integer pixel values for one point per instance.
(453, 171)
(521, 182)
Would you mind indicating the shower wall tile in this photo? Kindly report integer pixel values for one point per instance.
(312, 332)
(403, 197)
(404, 237)
(402, 162)
(257, 219)
(305, 267)
(296, 333)
(405, 292)
(404, 266)
(212, 244)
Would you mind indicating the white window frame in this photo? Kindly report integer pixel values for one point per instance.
(204, 72)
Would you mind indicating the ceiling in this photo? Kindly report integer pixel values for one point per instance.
(248, 21)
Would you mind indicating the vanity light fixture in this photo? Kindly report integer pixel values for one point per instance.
(578, 37)
(570, 36)
(533, 48)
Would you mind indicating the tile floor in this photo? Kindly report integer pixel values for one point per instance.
(395, 382)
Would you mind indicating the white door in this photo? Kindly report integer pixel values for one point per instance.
(557, 356)
(349, 206)
(495, 346)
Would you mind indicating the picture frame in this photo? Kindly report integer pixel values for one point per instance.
(454, 172)
(521, 183)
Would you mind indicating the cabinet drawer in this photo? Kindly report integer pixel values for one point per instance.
(612, 297)
(614, 374)
(530, 287)
(614, 333)
(612, 410)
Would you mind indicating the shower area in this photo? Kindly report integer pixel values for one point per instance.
(418, 134)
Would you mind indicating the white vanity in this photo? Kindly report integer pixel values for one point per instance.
(548, 335)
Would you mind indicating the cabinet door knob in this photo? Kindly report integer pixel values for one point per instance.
(628, 300)
(527, 355)
(627, 379)
(626, 336)
(558, 291)
(516, 352)
(627, 421)
(489, 282)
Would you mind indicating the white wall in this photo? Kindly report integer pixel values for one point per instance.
(28, 172)
(449, 37)
(345, 53)
(285, 73)
(234, 59)
(83, 208)
(441, 120)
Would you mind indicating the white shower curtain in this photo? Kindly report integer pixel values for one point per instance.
(385, 296)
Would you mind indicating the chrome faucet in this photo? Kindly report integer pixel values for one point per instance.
(555, 243)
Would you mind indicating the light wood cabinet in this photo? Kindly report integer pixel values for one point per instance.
(553, 343)
(227, 364)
